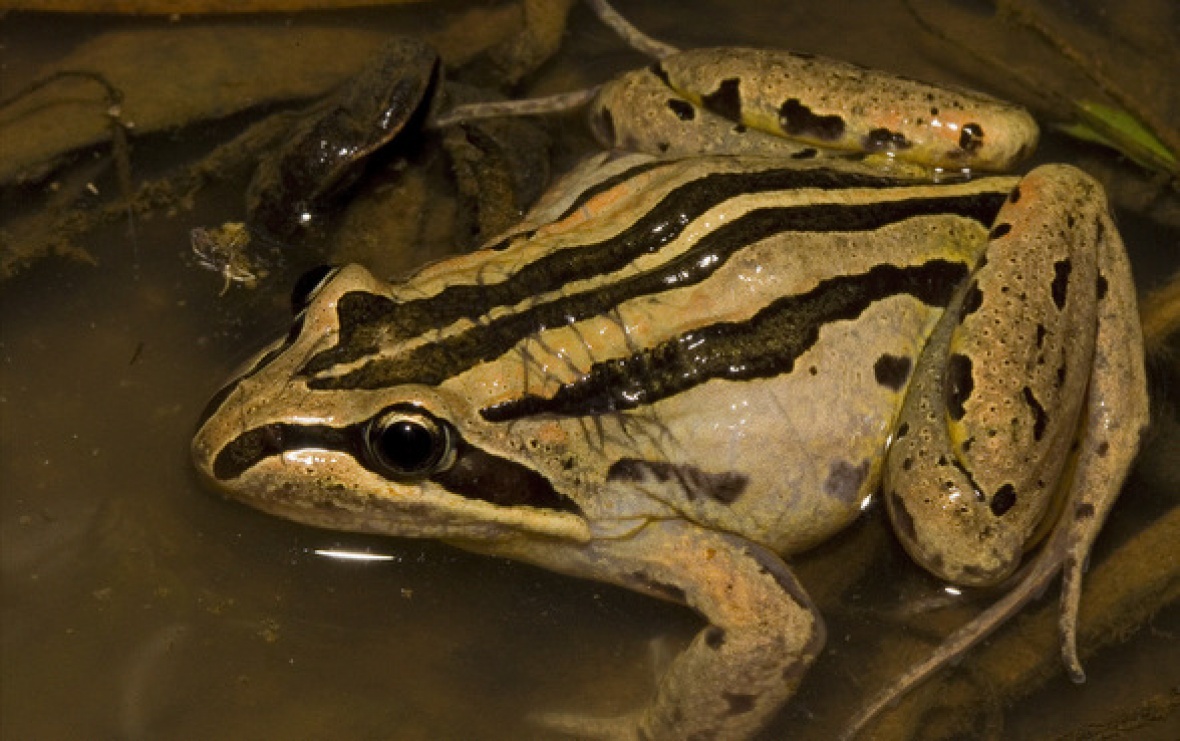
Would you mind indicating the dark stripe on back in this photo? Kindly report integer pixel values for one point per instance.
(381, 319)
(475, 474)
(765, 345)
(435, 362)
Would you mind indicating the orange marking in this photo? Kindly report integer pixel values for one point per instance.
(591, 209)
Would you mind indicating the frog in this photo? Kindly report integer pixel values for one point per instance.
(687, 365)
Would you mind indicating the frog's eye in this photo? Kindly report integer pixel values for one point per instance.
(308, 285)
(406, 443)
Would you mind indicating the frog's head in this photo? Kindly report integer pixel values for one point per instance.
(346, 423)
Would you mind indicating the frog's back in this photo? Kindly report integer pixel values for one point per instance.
(722, 339)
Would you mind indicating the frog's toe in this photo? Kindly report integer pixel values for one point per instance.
(616, 728)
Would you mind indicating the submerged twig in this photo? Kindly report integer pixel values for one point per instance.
(1160, 314)
(528, 107)
(635, 38)
(561, 102)
(120, 144)
(1123, 592)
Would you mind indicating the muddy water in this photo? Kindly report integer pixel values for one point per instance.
(138, 606)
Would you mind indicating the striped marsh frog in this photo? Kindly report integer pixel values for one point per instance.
(679, 370)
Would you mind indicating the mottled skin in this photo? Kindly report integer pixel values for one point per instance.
(696, 496)
(789, 104)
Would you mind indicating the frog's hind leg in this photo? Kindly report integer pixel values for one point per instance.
(1106, 450)
(992, 412)
(1031, 585)
(1040, 573)
(1114, 420)
(1050, 371)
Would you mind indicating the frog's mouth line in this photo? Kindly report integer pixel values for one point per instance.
(474, 474)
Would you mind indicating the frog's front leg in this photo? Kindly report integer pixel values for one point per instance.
(762, 636)
(1025, 409)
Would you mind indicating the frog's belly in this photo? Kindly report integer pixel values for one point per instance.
(809, 441)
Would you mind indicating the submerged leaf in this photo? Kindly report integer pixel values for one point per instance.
(1115, 128)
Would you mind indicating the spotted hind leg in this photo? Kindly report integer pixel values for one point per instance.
(1114, 420)
(1024, 412)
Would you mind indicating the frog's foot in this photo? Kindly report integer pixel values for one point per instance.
(1040, 574)
(574, 725)
(1065, 552)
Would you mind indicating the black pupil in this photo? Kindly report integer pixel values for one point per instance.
(407, 445)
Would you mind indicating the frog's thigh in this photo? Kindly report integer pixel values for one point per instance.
(993, 408)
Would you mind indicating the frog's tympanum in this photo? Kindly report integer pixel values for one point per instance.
(682, 368)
